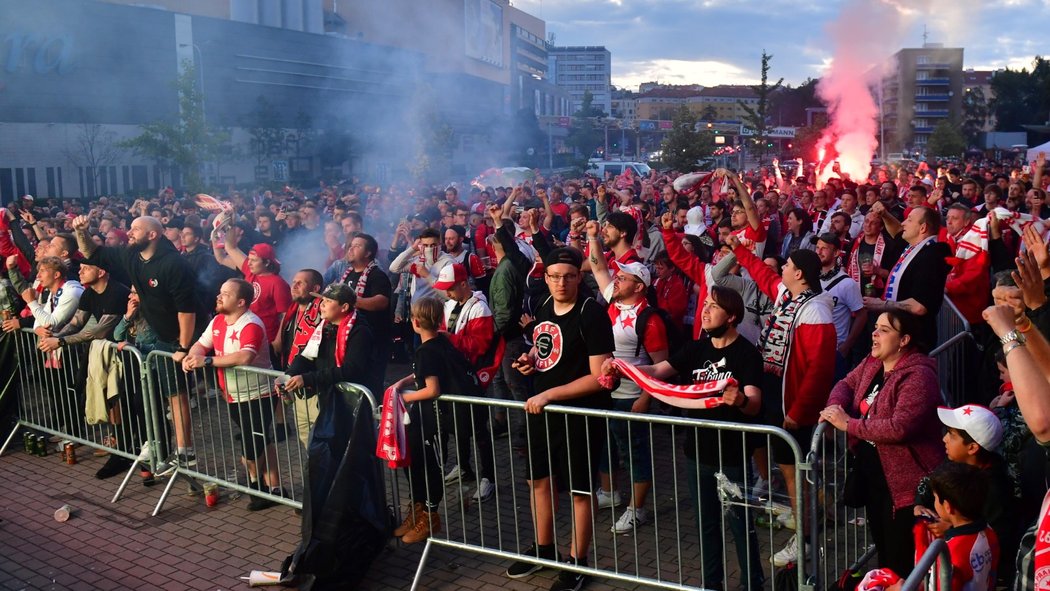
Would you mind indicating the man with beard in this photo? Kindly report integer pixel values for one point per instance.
(455, 236)
(890, 200)
(167, 290)
(300, 321)
(847, 307)
(101, 305)
(237, 338)
(372, 286)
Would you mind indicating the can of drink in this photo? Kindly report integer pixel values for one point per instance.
(27, 442)
(41, 446)
(69, 453)
(869, 290)
(63, 513)
(211, 494)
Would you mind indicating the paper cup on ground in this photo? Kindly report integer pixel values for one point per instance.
(262, 578)
(63, 513)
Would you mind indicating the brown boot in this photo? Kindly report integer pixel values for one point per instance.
(429, 523)
(410, 521)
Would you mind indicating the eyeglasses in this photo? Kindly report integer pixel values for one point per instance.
(562, 278)
(622, 278)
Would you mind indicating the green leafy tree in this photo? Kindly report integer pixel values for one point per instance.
(946, 140)
(975, 113)
(787, 106)
(94, 149)
(757, 118)
(709, 114)
(684, 144)
(585, 135)
(185, 140)
(1021, 97)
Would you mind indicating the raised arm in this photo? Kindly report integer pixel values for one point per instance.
(745, 197)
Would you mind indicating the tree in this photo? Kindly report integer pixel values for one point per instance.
(433, 139)
(684, 145)
(1021, 97)
(527, 141)
(267, 137)
(975, 113)
(788, 105)
(946, 140)
(709, 114)
(185, 140)
(93, 150)
(757, 118)
(585, 136)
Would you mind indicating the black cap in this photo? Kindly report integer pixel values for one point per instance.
(808, 262)
(563, 256)
(828, 237)
(339, 292)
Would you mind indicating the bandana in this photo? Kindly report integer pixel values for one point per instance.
(694, 396)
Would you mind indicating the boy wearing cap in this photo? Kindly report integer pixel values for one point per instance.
(847, 306)
(972, 436)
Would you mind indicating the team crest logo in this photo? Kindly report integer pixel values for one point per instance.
(257, 289)
(549, 345)
(153, 282)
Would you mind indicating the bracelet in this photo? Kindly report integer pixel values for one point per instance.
(1011, 346)
(1027, 326)
(182, 350)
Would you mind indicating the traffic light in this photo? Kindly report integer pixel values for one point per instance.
(769, 145)
(710, 125)
(789, 145)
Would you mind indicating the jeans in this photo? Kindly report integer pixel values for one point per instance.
(704, 490)
(631, 442)
(510, 384)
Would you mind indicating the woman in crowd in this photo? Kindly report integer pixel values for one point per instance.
(887, 406)
(800, 231)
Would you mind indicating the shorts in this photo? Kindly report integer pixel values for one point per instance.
(254, 418)
(168, 376)
(781, 451)
(566, 447)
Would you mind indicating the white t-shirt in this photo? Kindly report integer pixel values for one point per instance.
(845, 301)
(249, 333)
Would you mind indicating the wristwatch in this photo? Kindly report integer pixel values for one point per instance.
(1013, 335)
(209, 361)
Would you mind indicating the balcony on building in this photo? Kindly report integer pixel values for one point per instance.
(930, 98)
(933, 82)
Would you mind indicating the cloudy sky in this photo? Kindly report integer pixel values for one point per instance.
(720, 41)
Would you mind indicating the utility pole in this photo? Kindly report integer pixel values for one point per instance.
(550, 147)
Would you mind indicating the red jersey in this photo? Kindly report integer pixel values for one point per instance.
(272, 297)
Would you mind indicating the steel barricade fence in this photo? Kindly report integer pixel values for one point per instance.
(955, 354)
(937, 555)
(950, 322)
(91, 394)
(695, 508)
(840, 539)
(243, 435)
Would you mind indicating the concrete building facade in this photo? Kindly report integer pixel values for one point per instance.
(583, 69)
(924, 88)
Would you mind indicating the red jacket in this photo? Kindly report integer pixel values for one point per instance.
(472, 335)
(672, 296)
(692, 267)
(969, 284)
(810, 368)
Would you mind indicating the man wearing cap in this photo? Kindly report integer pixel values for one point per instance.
(572, 337)
(470, 327)
(423, 261)
(847, 306)
(915, 283)
(798, 354)
(260, 268)
(640, 337)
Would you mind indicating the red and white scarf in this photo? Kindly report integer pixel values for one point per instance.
(392, 443)
(223, 208)
(853, 269)
(342, 334)
(304, 325)
(693, 396)
(975, 240)
(362, 281)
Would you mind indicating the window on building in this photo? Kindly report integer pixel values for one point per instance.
(922, 60)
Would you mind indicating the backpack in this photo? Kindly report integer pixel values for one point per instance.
(675, 338)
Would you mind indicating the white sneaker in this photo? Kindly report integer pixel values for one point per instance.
(787, 520)
(631, 518)
(789, 553)
(486, 490)
(761, 488)
(453, 475)
(606, 500)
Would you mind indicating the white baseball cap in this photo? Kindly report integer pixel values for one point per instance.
(979, 423)
(638, 270)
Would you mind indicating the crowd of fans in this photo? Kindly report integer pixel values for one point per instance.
(817, 300)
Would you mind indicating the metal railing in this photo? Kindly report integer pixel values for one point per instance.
(955, 354)
(692, 507)
(936, 555)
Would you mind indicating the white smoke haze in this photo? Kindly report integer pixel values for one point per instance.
(864, 37)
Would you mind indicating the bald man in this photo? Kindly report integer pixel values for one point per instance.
(166, 285)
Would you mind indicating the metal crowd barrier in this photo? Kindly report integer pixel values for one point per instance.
(936, 555)
(257, 428)
(55, 401)
(667, 552)
(839, 532)
(955, 354)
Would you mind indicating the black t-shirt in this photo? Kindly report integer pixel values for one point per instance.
(700, 361)
(865, 249)
(873, 392)
(439, 358)
(378, 283)
(564, 345)
(114, 300)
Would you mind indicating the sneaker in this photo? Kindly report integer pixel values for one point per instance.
(411, 517)
(486, 490)
(569, 581)
(606, 500)
(429, 523)
(789, 553)
(183, 460)
(631, 518)
(786, 520)
(114, 465)
(456, 474)
(523, 569)
(499, 429)
(148, 479)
